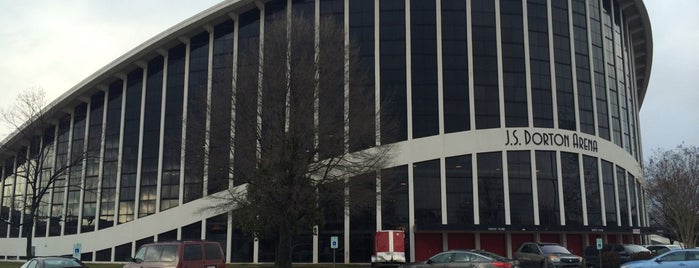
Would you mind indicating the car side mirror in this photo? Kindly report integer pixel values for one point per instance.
(429, 261)
(658, 260)
(136, 260)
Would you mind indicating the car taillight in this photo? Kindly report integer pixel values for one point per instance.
(502, 264)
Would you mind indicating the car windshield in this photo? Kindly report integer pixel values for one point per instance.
(635, 248)
(552, 249)
(61, 263)
(157, 253)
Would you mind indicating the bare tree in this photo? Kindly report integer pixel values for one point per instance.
(36, 167)
(293, 108)
(672, 187)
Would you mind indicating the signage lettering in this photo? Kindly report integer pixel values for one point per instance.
(518, 137)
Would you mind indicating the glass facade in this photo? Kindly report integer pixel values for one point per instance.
(511, 115)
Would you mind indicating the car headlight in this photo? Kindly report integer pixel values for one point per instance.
(554, 258)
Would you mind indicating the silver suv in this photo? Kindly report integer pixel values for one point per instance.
(546, 255)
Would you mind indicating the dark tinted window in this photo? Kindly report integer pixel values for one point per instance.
(221, 84)
(564, 82)
(362, 218)
(459, 190)
(192, 231)
(531, 248)
(362, 91)
(165, 253)
(394, 192)
(442, 258)
(246, 98)
(104, 255)
(621, 185)
(455, 69)
(428, 208)
(485, 75)
(423, 37)
(582, 67)
(547, 183)
(122, 252)
(513, 71)
(192, 252)
(212, 251)
(553, 249)
(520, 185)
(491, 198)
(572, 199)
(609, 193)
(540, 68)
(594, 207)
(129, 162)
(392, 69)
(151, 137)
(196, 117)
(172, 132)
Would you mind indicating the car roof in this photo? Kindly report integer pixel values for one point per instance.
(54, 257)
(476, 251)
(177, 242)
(548, 244)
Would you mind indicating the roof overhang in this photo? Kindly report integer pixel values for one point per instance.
(638, 22)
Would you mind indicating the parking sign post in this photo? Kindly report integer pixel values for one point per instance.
(599, 248)
(333, 245)
(76, 250)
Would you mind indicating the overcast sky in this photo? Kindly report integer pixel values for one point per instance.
(56, 44)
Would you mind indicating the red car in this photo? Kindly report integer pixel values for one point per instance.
(179, 254)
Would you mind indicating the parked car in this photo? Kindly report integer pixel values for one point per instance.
(546, 255)
(465, 258)
(53, 262)
(674, 258)
(625, 253)
(190, 254)
(660, 249)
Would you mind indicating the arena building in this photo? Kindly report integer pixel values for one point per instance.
(518, 122)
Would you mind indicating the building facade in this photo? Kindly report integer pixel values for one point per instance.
(518, 121)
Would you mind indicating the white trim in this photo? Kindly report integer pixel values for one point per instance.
(183, 140)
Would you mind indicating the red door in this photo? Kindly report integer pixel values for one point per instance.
(575, 243)
(427, 245)
(494, 243)
(461, 241)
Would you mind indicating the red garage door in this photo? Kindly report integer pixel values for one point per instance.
(575, 243)
(461, 241)
(494, 243)
(427, 245)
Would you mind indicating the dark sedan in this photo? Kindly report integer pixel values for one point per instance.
(465, 258)
(53, 262)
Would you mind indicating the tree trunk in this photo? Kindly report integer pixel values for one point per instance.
(28, 229)
(29, 225)
(283, 256)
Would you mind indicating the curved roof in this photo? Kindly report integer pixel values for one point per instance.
(634, 12)
(636, 16)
